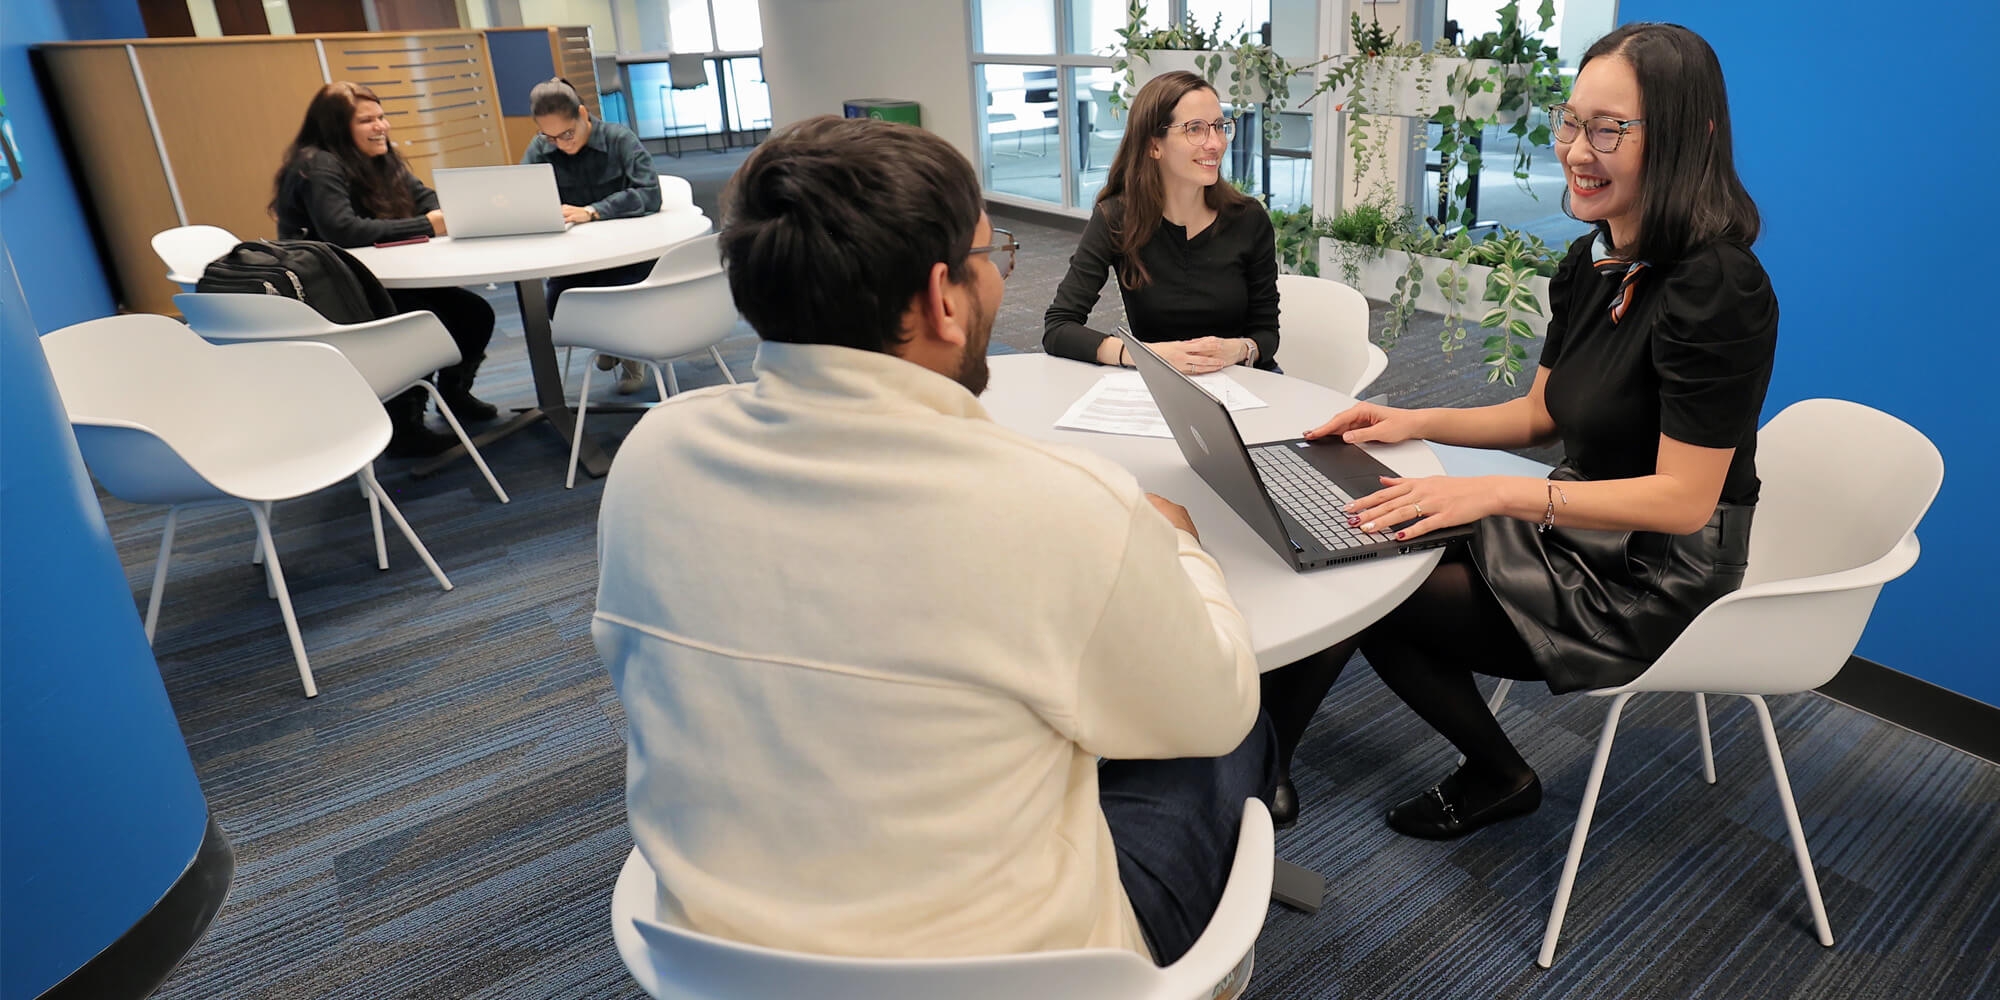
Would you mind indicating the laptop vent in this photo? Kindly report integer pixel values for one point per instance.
(1348, 559)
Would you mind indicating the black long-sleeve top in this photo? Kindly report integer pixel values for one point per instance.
(612, 173)
(1221, 283)
(318, 201)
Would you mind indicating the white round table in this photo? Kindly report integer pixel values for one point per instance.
(1291, 614)
(525, 261)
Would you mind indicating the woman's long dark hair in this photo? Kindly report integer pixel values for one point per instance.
(1689, 194)
(328, 127)
(1135, 178)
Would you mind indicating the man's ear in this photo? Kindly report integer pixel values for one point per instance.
(934, 313)
(950, 303)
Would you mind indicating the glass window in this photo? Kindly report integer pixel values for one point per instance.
(1098, 132)
(1238, 16)
(1291, 161)
(687, 23)
(1094, 24)
(661, 111)
(1021, 146)
(738, 27)
(1017, 27)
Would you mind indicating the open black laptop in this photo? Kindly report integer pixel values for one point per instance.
(1292, 493)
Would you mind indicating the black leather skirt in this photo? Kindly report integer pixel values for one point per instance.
(1596, 608)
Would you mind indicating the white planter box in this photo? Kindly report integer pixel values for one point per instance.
(1148, 65)
(1403, 86)
(1378, 281)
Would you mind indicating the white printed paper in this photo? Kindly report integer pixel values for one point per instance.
(1120, 404)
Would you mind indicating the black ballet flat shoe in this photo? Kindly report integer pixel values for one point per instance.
(1450, 810)
(1284, 805)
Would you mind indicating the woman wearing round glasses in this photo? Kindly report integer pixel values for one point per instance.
(1196, 259)
(1659, 349)
(602, 172)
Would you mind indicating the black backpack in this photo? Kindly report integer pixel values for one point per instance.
(318, 274)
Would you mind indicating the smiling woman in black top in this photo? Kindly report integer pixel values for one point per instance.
(343, 183)
(1196, 259)
(1660, 344)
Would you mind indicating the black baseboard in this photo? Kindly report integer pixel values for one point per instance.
(1919, 706)
(1053, 220)
(135, 965)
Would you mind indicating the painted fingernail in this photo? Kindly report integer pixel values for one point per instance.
(1400, 534)
(1370, 526)
(1352, 521)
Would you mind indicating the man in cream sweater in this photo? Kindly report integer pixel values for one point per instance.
(871, 645)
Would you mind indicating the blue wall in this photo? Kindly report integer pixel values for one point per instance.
(41, 216)
(102, 808)
(101, 804)
(1859, 132)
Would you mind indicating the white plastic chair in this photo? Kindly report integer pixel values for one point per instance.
(681, 308)
(671, 963)
(188, 250)
(164, 417)
(1843, 489)
(393, 354)
(1323, 334)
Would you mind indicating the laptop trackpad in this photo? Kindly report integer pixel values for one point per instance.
(1346, 465)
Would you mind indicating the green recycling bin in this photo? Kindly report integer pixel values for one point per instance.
(884, 109)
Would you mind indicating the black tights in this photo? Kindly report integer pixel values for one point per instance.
(1426, 651)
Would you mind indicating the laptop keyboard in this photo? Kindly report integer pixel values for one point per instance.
(1306, 494)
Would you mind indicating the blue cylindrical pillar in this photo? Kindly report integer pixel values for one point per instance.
(110, 867)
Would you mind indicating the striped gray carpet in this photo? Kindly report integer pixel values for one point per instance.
(446, 819)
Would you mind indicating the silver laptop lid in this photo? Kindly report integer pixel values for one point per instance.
(499, 201)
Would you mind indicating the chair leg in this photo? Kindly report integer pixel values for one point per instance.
(716, 353)
(1791, 808)
(257, 553)
(375, 520)
(659, 380)
(276, 576)
(368, 473)
(1583, 815)
(568, 354)
(582, 408)
(673, 384)
(264, 548)
(464, 439)
(1707, 749)
(160, 572)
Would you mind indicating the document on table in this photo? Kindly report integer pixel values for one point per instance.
(1120, 404)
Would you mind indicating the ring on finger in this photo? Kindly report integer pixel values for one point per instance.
(1418, 507)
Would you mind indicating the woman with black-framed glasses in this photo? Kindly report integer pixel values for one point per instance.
(1196, 259)
(1662, 333)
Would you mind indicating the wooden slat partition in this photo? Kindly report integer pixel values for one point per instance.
(437, 88)
(575, 63)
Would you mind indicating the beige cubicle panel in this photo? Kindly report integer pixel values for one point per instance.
(225, 152)
(190, 131)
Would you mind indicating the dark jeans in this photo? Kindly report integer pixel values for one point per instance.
(629, 274)
(1174, 824)
(465, 315)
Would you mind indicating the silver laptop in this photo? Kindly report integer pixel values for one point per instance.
(499, 201)
(1292, 493)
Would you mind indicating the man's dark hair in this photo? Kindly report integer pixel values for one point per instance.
(831, 227)
(554, 97)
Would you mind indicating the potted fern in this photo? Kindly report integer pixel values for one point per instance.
(1256, 75)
